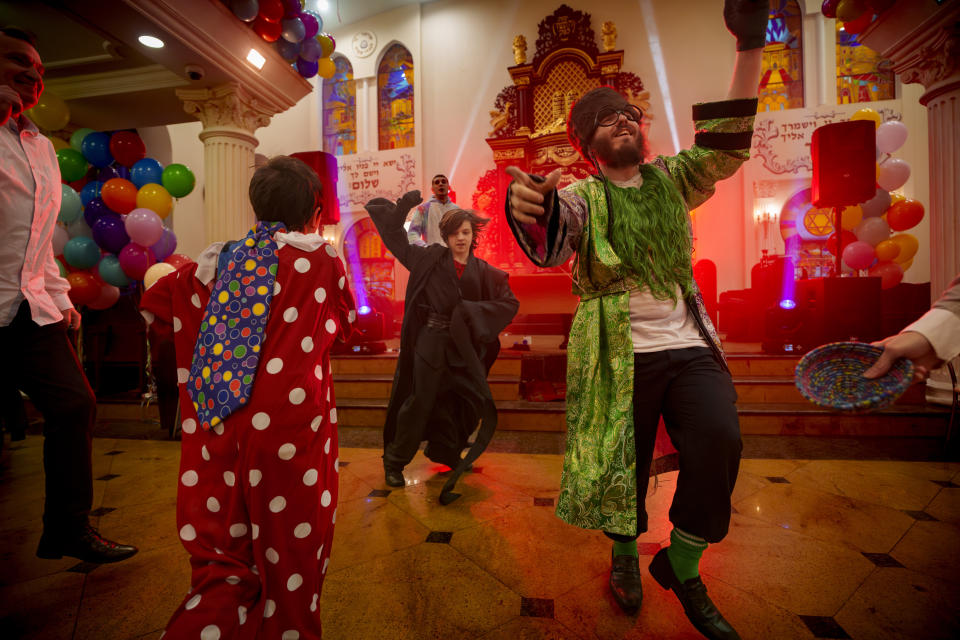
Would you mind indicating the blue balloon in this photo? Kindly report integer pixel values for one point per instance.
(146, 171)
(111, 272)
(293, 29)
(246, 10)
(90, 191)
(70, 205)
(81, 252)
(123, 172)
(288, 50)
(94, 210)
(96, 149)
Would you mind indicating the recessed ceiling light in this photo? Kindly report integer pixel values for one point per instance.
(150, 41)
(256, 58)
(322, 5)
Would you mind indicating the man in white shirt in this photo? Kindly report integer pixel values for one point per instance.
(35, 312)
(425, 223)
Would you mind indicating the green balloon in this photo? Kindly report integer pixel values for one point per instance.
(76, 140)
(63, 270)
(73, 165)
(178, 180)
(70, 204)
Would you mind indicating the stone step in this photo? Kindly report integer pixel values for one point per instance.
(508, 364)
(374, 386)
(515, 415)
(755, 365)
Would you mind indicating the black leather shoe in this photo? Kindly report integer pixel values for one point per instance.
(625, 583)
(693, 596)
(393, 477)
(88, 546)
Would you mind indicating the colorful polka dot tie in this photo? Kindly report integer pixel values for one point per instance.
(227, 352)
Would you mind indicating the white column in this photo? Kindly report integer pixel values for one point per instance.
(230, 115)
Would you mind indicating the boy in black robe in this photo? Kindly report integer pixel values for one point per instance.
(455, 308)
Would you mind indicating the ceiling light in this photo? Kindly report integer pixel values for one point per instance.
(322, 5)
(150, 41)
(256, 58)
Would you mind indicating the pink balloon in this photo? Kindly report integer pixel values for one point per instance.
(858, 255)
(135, 260)
(60, 238)
(890, 273)
(109, 295)
(143, 226)
(894, 173)
(873, 231)
(891, 135)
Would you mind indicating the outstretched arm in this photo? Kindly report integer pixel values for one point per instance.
(389, 218)
(747, 21)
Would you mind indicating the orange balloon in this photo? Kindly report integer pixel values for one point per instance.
(904, 215)
(154, 197)
(887, 250)
(890, 274)
(120, 195)
(909, 245)
(906, 265)
(851, 217)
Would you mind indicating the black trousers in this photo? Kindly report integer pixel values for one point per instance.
(41, 362)
(696, 397)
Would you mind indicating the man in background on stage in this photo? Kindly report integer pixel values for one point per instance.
(35, 313)
(424, 226)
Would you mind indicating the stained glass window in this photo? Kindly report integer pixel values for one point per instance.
(340, 110)
(781, 83)
(395, 98)
(862, 75)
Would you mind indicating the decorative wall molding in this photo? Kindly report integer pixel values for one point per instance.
(115, 82)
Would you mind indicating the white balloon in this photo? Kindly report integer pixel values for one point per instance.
(894, 173)
(891, 135)
(60, 237)
(156, 272)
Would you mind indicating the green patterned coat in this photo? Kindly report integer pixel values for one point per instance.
(598, 488)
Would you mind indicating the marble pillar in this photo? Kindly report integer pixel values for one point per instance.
(230, 116)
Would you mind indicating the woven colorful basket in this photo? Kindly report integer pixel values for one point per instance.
(832, 376)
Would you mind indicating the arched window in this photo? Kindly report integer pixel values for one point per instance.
(340, 110)
(395, 99)
(781, 83)
(862, 75)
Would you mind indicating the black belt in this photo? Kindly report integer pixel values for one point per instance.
(438, 321)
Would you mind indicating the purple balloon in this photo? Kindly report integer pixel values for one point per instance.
(288, 50)
(310, 50)
(123, 172)
(109, 233)
(165, 247)
(311, 24)
(94, 209)
(143, 226)
(108, 173)
(246, 10)
(135, 260)
(291, 8)
(306, 68)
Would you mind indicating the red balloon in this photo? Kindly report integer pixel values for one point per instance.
(858, 25)
(120, 195)
(108, 297)
(127, 148)
(829, 8)
(84, 288)
(904, 215)
(889, 272)
(269, 31)
(848, 237)
(271, 11)
(178, 260)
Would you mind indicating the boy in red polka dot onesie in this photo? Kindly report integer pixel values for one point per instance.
(253, 322)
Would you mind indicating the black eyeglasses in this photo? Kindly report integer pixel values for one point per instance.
(608, 116)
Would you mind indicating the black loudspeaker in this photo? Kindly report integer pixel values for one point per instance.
(844, 163)
(325, 166)
(839, 309)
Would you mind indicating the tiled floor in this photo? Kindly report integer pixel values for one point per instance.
(817, 549)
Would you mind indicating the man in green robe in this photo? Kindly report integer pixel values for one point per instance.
(641, 344)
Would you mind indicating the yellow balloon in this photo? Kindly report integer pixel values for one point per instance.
(868, 114)
(155, 272)
(887, 250)
(326, 68)
(908, 247)
(896, 197)
(154, 197)
(906, 265)
(59, 143)
(50, 113)
(851, 217)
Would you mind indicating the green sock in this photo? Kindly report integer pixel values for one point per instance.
(684, 554)
(625, 548)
